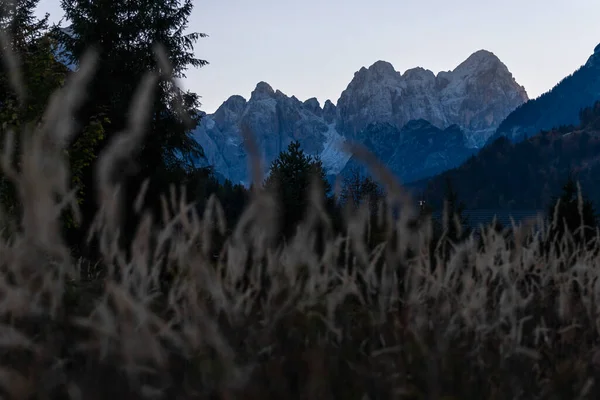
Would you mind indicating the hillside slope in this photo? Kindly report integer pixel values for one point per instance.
(526, 175)
(559, 106)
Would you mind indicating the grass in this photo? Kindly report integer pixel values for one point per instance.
(501, 318)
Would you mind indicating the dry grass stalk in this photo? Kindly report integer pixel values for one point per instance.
(350, 320)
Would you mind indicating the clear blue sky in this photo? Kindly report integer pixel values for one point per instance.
(312, 48)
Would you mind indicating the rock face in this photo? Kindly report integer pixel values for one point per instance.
(418, 150)
(476, 96)
(275, 120)
(472, 99)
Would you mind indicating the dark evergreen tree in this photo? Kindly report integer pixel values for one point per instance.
(125, 33)
(18, 21)
(28, 41)
(291, 175)
(445, 227)
(454, 210)
(565, 216)
(590, 116)
(233, 197)
(357, 189)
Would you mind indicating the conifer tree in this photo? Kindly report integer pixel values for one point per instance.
(29, 45)
(290, 177)
(358, 189)
(454, 210)
(125, 33)
(446, 229)
(25, 38)
(565, 216)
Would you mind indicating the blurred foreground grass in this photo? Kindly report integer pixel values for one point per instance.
(325, 316)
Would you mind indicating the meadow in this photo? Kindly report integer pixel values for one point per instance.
(500, 315)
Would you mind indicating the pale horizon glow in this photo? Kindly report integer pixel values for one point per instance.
(313, 48)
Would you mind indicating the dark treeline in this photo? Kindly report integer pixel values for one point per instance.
(526, 175)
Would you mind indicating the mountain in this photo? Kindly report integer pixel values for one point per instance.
(416, 151)
(525, 175)
(559, 106)
(475, 97)
(275, 120)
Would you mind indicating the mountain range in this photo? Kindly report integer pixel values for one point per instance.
(435, 120)
(473, 125)
(534, 150)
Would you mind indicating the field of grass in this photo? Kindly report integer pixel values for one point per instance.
(323, 317)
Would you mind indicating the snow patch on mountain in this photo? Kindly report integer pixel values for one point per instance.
(210, 123)
(334, 156)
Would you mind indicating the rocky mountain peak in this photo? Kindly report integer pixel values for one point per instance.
(230, 110)
(262, 91)
(234, 103)
(313, 106)
(419, 74)
(382, 68)
(380, 71)
(482, 57)
(329, 111)
(479, 62)
(368, 98)
(477, 95)
(328, 103)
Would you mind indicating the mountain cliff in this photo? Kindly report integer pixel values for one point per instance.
(475, 97)
(416, 151)
(275, 120)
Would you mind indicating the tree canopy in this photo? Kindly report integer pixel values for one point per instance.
(125, 34)
(570, 210)
(291, 176)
